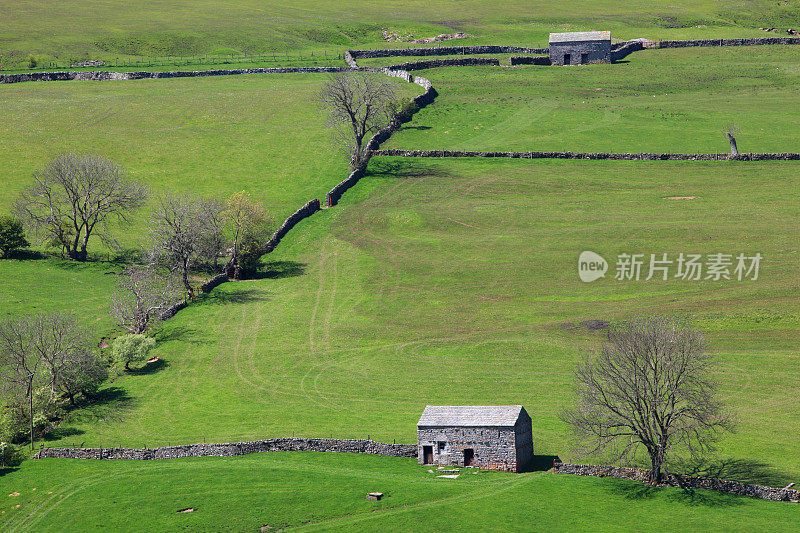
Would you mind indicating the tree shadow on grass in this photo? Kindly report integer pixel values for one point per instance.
(148, 368)
(730, 469)
(635, 490)
(408, 168)
(282, 269)
(240, 296)
(175, 333)
(540, 463)
(7, 470)
(421, 128)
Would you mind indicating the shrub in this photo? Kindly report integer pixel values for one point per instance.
(32, 61)
(129, 349)
(12, 235)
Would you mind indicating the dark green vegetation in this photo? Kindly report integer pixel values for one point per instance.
(668, 100)
(316, 491)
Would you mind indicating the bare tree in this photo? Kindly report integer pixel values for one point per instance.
(649, 387)
(731, 130)
(141, 295)
(185, 230)
(358, 104)
(75, 197)
(46, 356)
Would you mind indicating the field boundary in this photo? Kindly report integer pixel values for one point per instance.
(738, 488)
(287, 444)
(641, 156)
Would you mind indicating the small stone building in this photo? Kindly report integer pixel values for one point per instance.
(497, 437)
(580, 48)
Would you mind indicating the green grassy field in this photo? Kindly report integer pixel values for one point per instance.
(83, 29)
(455, 282)
(433, 281)
(213, 136)
(667, 100)
(315, 491)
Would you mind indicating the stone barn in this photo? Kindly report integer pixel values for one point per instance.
(580, 48)
(497, 437)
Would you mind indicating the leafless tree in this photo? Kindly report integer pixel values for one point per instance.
(142, 294)
(185, 230)
(47, 356)
(731, 130)
(649, 387)
(358, 104)
(75, 197)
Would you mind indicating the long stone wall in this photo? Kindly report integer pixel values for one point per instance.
(675, 480)
(426, 98)
(785, 156)
(454, 62)
(442, 51)
(530, 60)
(627, 48)
(728, 42)
(292, 444)
(311, 207)
(102, 75)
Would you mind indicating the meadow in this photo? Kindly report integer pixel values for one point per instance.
(456, 282)
(657, 100)
(307, 491)
(91, 29)
(433, 281)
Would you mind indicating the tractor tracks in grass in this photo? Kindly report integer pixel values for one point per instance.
(378, 514)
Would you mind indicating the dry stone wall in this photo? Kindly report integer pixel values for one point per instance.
(441, 51)
(311, 207)
(292, 444)
(785, 156)
(530, 60)
(728, 42)
(676, 480)
(455, 62)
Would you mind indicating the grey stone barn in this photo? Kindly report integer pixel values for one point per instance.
(580, 48)
(497, 437)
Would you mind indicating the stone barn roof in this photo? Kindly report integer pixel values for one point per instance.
(579, 36)
(470, 415)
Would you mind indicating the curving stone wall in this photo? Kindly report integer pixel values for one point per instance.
(426, 98)
(645, 156)
(217, 280)
(292, 444)
(676, 480)
(311, 207)
(627, 48)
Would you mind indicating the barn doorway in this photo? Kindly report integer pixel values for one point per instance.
(584, 59)
(427, 455)
(567, 59)
(469, 455)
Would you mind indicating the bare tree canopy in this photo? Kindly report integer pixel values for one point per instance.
(358, 104)
(185, 230)
(43, 358)
(142, 294)
(649, 387)
(75, 197)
